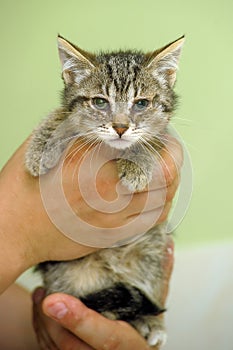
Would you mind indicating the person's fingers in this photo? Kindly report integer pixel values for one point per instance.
(103, 207)
(94, 329)
(171, 159)
(163, 213)
(50, 334)
(132, 206)
(40, 321)
(65, 340)
(172, 188)
(167, 203)
(168, 264)
(77, 327)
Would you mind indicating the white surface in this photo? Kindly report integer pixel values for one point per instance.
(200, 306)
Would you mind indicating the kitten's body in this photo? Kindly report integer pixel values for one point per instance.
(126, 100)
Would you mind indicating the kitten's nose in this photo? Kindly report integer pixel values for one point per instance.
(120, 128)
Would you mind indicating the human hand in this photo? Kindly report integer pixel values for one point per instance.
(105, 211)
(62, 322)
(27, 233)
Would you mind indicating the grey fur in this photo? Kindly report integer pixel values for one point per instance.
(122, 78)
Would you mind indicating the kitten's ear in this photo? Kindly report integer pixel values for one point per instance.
(76, 63)
(165, 60)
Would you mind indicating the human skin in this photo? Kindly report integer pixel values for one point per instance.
(63, 322)
(27, 235)
(16, 329)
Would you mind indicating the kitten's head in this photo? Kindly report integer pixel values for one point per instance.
(119, 97)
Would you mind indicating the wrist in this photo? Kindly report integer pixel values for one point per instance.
(14, 258)
(17, 253)
(27, 235)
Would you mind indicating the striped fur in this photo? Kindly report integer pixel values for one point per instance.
(124, 99)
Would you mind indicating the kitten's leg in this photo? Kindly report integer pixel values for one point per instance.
(135, 174)
(47, 143)
(124, 283)
(127, 303)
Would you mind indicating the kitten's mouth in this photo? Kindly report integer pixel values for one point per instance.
(119, 143)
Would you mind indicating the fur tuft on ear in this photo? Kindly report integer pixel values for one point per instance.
(164, 62)
(76, 63)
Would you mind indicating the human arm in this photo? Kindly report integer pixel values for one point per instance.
(27, 235)
(16, 330)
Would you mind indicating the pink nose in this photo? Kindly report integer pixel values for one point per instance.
(120, 128)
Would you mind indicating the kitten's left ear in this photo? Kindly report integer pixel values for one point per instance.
(165, 61)
(76, 63)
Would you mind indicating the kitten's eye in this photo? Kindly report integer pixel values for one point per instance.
(142, 104)
(100, 103)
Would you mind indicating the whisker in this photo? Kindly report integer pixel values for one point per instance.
(96, 151)
(87, 142)
(91, 143)
(167, 141)
(186, 120)
(147, 145)
(72, 154)
(59, 142)
(81, 145)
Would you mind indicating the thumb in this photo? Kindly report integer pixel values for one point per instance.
(91, 327)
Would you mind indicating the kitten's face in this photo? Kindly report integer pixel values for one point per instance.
(120, 98)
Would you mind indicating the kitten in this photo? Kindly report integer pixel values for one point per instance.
(126, 100)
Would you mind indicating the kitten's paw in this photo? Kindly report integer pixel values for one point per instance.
(32, 168)
(134, 183)
(157, 337)
(39, 161)
(152, 329)
(132, 176)
(36, 166)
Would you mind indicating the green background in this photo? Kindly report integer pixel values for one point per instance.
(30, 81)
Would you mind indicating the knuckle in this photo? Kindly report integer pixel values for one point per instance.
(177, 152)
(180, 153)
(170, 195)
(171, 174)
(165, 212)
(171, 189)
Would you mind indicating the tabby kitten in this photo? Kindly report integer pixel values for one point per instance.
(124, 99)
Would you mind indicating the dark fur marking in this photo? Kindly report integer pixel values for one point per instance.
(109, 69)
(76, 100)
(127, 303)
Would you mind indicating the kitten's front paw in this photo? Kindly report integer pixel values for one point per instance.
(37, 166)
(39, 159)
(132, 176)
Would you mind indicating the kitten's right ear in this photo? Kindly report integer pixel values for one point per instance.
(76, 63)
(164, 62)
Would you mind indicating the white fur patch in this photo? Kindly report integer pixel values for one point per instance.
(69, 64)
(157, 337)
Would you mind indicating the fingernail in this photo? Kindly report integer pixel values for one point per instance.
(58, 310)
